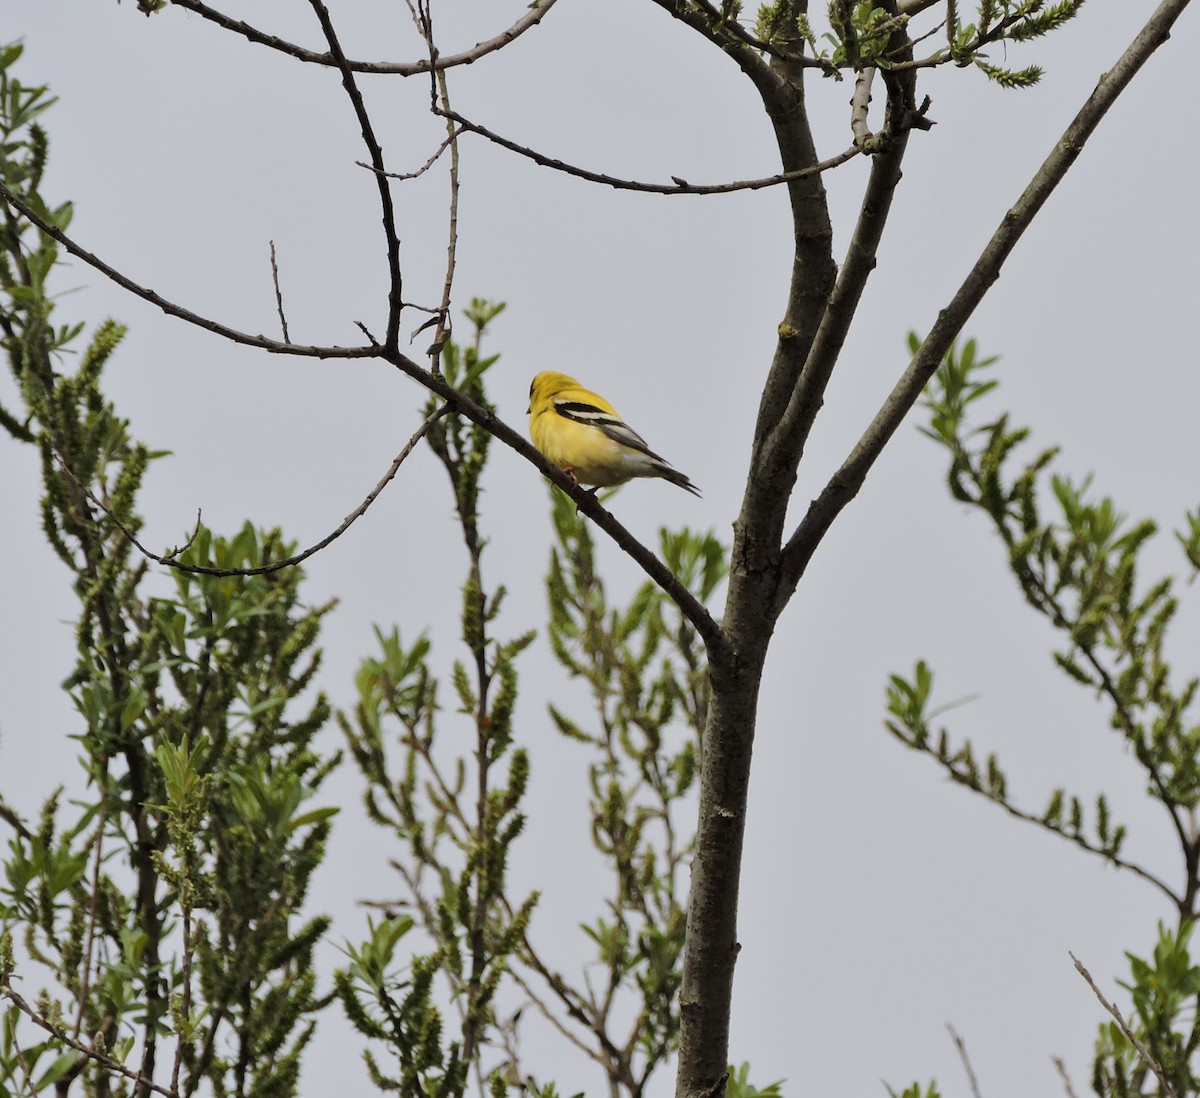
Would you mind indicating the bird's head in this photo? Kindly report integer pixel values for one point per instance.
(547, 385)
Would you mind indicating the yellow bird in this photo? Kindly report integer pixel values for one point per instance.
(581, 433)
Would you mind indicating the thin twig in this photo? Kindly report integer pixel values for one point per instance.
(405, 176)
(439, 103)
(556, 1021)
(442, 334)
(734, 29)
(266, 569)
(532, 18)
(278, 295)
(24, 1065)
(1147, 1059)
(676, 186)
(1062, 1071)
(961, 1045)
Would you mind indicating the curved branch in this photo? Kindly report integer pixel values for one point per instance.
(844, 485)
(531, 18)
(169, 560)
(676, 186)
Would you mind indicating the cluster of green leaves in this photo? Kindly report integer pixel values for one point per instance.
(648, 678)
(862, 34)
(915, 1090)
(909, 705)
(161, 912)
(457, 815)
(1002, 21)
(1079, 569)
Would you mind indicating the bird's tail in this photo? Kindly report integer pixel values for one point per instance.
(676, 477)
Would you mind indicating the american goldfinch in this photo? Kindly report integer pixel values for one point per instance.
(581, 433)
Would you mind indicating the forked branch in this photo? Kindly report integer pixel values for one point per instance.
(844, 485)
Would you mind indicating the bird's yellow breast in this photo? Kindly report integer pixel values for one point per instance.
(569, 444)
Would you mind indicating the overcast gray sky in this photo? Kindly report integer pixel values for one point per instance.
(878, 902)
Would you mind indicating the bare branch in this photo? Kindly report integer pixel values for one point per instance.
(395, 279)
(439, 98)
(961, 1045)
(1062, 1071)
(676, 186)
(404, 176)
(531, 18)
(844, 485)
(1147, 1059)
(278, 295)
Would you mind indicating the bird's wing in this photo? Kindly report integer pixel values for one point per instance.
(611, 424)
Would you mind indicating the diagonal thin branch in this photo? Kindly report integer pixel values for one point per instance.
(844, 485)
(7, 991)
(537, 10)
(395, 279)
(961, 1045)
(1112, 1009)
(1062, 1073)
